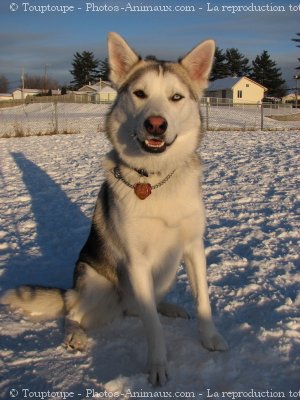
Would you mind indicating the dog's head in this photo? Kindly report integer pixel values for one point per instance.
(155, 120)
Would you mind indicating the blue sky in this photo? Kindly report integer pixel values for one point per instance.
(30, 39)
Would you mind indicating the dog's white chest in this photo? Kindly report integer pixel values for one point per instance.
(156, 231)
(166, 219)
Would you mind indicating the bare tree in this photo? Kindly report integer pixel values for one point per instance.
(40, 82)
(3, 84)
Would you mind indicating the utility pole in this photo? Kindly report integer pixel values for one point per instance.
(45, 77)
(23, 83)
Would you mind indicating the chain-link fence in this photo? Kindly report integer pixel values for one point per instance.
(223, 114)
(54, 116)
(51, 118)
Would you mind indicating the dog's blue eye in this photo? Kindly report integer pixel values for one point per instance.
(177, 97)
(140, 94)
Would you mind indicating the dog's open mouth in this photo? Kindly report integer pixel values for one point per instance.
(155, 145)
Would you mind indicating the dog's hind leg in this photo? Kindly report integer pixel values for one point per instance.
(93, 302)
(172, 310)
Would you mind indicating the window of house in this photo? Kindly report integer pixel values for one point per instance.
(240, 94)
(247, 84)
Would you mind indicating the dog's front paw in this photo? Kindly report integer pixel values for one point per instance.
(158, 374)
(76, 340)
(213, 341)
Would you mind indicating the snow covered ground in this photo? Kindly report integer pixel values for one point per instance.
(251, 182)
(45, 118)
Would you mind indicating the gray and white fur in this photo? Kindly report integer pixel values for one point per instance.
(135, 245)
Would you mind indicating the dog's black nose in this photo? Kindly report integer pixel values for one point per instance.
(156, 125)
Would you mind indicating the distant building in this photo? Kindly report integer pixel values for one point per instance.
(237, 89)
(107, 94)
(21, 94)
(94, 87)
(290, 98)
(6, 96)
(99, 92)
(55, 92)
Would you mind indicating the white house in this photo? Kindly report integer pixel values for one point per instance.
(6, 96)
(107, 94)
(290, 98)
(21, 94)
(237, 89)
(99, 92)
(55, 92)
(94, 87)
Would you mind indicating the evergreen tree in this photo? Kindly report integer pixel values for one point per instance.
(85, 69)
(64, 90)
(104, 69)
(237, 63)
(297, 40)
(266, 73)
(220, 68)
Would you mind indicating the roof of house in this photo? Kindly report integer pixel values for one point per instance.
(89, 88)
(96, 87)
(229, 83)
(290, 96)
(108, 89)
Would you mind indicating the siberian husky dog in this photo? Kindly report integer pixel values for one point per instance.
(149, 214)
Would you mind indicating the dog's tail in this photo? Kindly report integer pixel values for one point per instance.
(36, 301)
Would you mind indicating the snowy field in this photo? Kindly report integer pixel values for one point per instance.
(251, 184)
(45, 118)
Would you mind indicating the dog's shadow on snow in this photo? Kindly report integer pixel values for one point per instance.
(49, 232)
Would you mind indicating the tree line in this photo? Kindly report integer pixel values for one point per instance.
(262, 70)
(31, 82)
(230, 62)
(87, 69)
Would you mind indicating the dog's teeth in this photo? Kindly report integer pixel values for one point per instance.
(154, 143)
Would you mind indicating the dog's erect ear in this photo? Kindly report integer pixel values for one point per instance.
(121, 58)
(198, 62)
